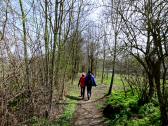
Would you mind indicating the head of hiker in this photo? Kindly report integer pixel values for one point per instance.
(83, 74)
(89, 72)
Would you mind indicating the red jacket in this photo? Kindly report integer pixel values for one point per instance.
(82, 81)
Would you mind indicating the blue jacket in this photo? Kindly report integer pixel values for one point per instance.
(92, 79)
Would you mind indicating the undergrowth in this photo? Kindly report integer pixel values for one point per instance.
(130, 114)
(66, 118)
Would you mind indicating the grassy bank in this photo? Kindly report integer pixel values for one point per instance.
(69, 109)
(126, 112)
(123, 110)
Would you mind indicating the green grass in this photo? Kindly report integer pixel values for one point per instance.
(67, 116)
(131, 114)
(117, 80)
(65, 119)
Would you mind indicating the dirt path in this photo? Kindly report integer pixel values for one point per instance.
(88, 113)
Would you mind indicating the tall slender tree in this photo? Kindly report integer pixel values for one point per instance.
(27, 74)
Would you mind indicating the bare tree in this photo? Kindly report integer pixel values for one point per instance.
(27, 75)
(145, 30)
(104, 55)
(114, 20)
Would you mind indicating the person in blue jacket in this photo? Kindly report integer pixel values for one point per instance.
(89, 82)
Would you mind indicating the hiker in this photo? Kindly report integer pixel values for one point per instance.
(89, 82)
(82, 85)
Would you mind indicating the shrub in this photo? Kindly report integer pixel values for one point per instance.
(130, 113)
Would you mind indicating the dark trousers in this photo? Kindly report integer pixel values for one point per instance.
(83, 91)
(89, 91)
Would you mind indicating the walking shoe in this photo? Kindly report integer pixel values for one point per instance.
(88, 96)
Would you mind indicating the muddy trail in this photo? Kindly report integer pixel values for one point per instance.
(89, 112)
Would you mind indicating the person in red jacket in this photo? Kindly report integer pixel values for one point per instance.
(82, 85)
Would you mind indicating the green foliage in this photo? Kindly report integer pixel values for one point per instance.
(132, 114)
(151, 112)
(139, 122)
(118, 98)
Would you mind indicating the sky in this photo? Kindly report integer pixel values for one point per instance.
(97, 10)
(93, 16)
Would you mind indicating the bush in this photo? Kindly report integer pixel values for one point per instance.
(130, 113)
(118, 98)
(151, 112)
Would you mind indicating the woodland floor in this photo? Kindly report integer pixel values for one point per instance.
(89, 112)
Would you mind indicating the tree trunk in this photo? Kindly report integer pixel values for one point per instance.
(46, 38)
(53, 56)
(162, 103)
(104, 56)
(164, 114)
(113, 67)
(27, 75)
(147, 96)
(151, 87)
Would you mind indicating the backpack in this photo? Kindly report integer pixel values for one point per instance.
(93, 81)
(89, 80)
